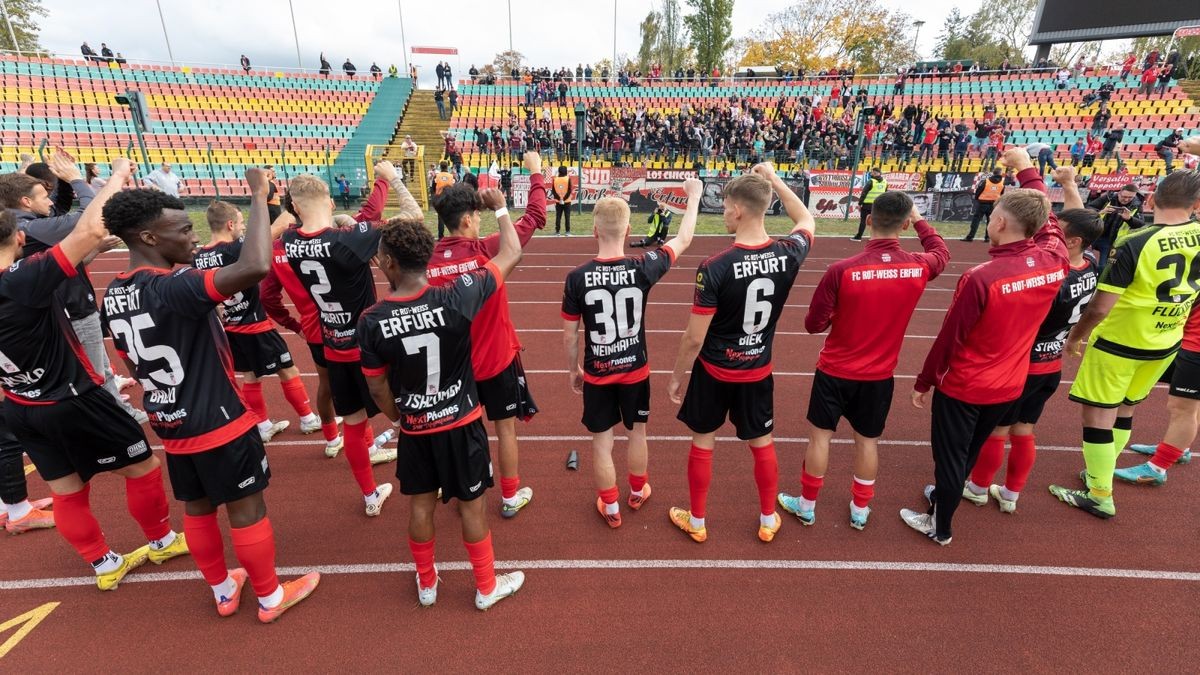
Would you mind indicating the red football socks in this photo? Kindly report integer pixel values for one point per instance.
(482, 563)
(1020, 462)
(861, 492)
(75, 522)
(329, 430)
(609, 495)
(991, 456)
(207, 548)
(810, 485)
(1165, 456)
(254, 547)
(699, 468)
(252, 393)
(297, 396)
(509, 485)
(358, 443)
(766, 475)
(422, 552)
(636, 482)
(147, 504)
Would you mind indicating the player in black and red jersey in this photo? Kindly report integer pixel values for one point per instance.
(164, 324)
(334, 264)
(416, 355)
(740, 294)
(258, 349)
(609, 294)
(496, 356)
(1080, 228)
(868, 299)
(71, 428)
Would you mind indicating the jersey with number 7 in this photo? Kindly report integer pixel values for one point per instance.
(1156, 271)
(745, 289)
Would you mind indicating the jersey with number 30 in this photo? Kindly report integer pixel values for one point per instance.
(423, 344)
(164, 322)
(609, 295)
(335, 267)
(1156, 271)
(745, 289)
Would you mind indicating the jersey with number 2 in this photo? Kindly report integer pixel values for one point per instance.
(745, 289)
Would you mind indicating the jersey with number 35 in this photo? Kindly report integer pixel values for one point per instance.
(335, 267)
(609, 296)
(423, 344)
(165, 323)
(745, 289)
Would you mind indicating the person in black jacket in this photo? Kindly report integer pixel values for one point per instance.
(1167, 147)
(1120, 208)
(349, 69)
(660, 224)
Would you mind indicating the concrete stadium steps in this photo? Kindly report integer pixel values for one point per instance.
(376, 127)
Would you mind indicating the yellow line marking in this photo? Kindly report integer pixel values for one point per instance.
(30, 620)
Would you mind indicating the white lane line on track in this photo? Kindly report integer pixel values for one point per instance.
(666, 564)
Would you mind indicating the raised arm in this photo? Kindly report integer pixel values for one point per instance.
(535, 209)
(937, 254)
(792, 204)
(372, 211)
(509, 246)
(694, 189)
(255, 261)
(1065, 176)
(89, 228)
(409, 209)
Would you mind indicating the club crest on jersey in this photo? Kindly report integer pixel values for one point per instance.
(886, 257)
(1029, 261)
(447, 254)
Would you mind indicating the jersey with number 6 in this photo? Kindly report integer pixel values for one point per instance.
(423, 344)
(164, 322)
(610, 295)
(745, 289)
(334, 264)
(1073, 296)
(1156, 271)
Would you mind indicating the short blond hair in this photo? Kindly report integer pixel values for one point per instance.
(1030, 208)
(219, 213)
(308, 189)
(751, 191)
(610, 217)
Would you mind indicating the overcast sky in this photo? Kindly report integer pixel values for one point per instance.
(219, 31)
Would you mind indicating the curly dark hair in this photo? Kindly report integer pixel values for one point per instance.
(409, 243)
(132, 211)
(456, 201)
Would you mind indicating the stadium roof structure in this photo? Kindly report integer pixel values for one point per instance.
(1058, 21)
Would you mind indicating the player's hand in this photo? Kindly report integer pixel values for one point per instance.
(1016, 159)
(257, 181)
(1064, 175)
(108, 243)
(1074, 346)
(693, 188)
(344, 220)
(764, 170)
(915, 216)
(533, 162)
(493, 199)
(122, 168)
(576, 378)
(385, 170)
(920, 399)
(676, 389)
(1190, 146)
(63, 166)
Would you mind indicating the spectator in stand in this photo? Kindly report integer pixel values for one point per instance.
(1127, 66)
(409, 150)
(962, 140)
(412, 72)
(1077, 150)
(449, 74)
(89, 54)
(1166, 72)
(1103, 93)
(1044, 154)
(1101, 118)
(987, 192)
(1112, 145)
(376, 72)
(91, 176)
(474, 73)
(343, 186)
(1062, 79)
(439, 97)
(1166, 148)
(393, 71)
(1090, 149)
(1120, 211)
(453, 97)
(349, 69)
(274, 201)
(120, 59)
(440, 70)
(982, 131)
(1151, 59)
(164, 179)
(1149, 76)
(106, 53)
(325, 67)
(245, 61)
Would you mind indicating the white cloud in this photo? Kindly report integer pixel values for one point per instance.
(219, 31)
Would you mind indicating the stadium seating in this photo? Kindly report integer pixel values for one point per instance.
(1035, 110)
(299, 123)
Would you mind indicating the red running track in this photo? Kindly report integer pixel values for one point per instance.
(1046, 588)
